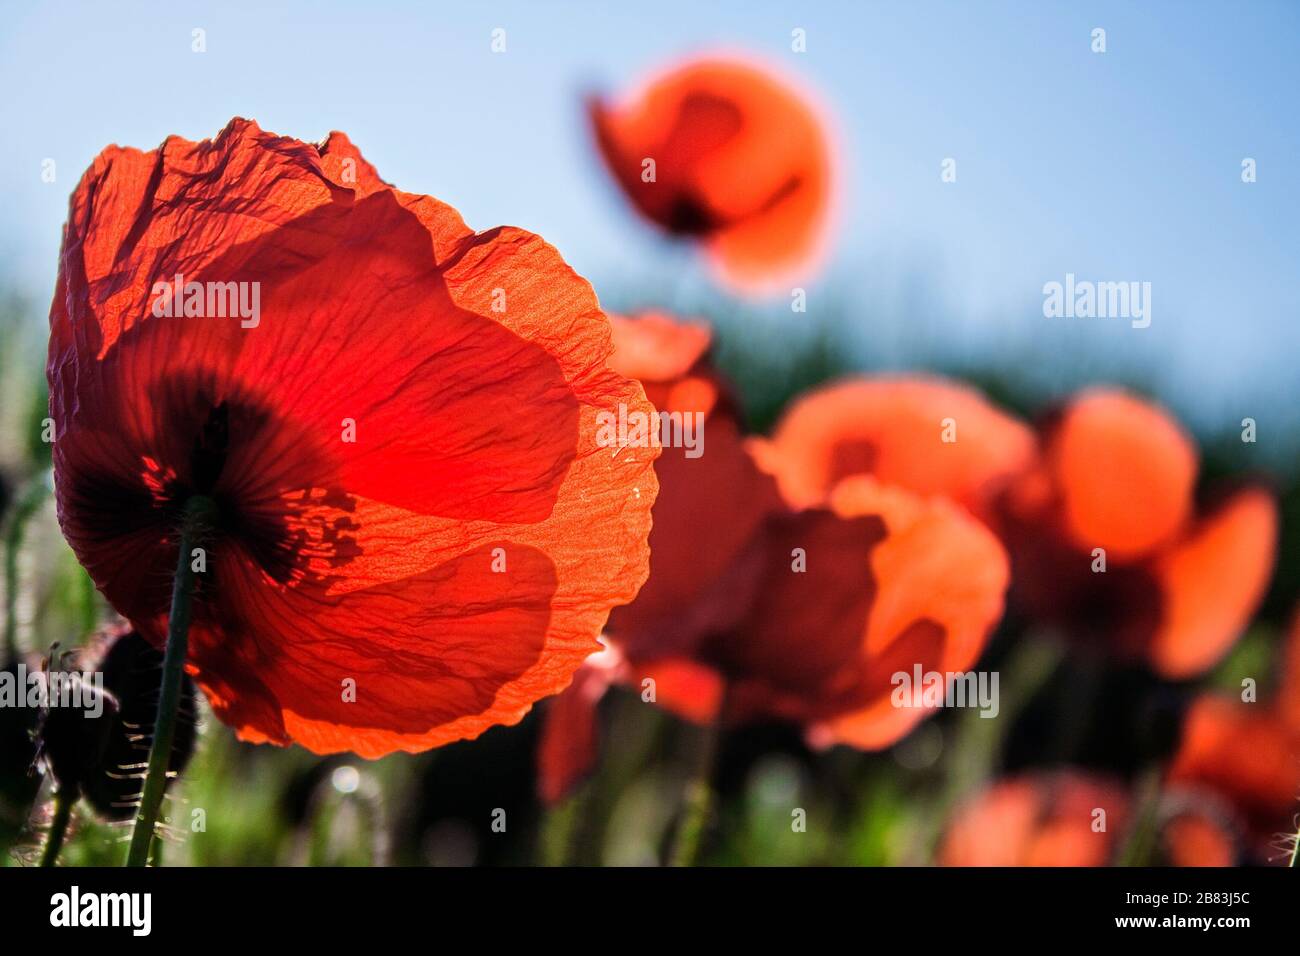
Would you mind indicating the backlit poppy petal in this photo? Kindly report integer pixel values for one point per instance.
(885, 583)
(1197, 839)
(570, 744)
(682, 686)
(804, 626)
(942, 579)
(1107, 545)
(419, 534)
(724, 152)
(569, 747)
(712, 498)
(655, 349)
(927, 435)
(1211, 583)
(1244, 753)
(1124, 471)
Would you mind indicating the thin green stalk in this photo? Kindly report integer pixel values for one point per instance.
(698, 803)
(1295, 850)
(198, 511)
(977, 748)
(369, 800)
(31, 498)
(1141, 840)
(560, 826)
(635, 731)
(63, 801)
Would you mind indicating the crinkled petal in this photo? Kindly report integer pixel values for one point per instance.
(402, 447)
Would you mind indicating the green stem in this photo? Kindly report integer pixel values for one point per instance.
(635, 732)
(1295, 851)
(198, 511)
(63, 801)
(560, 827)
(977, 748)
(698, 803)
(31, 498)
(370, 803)
(1141, 840)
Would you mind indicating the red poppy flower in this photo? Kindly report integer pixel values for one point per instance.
(1246, 753)
(1196, 838)
(881, 583)
(418, 533)
(1114, 484)
(799, 614)
(725, 153)
(1040, 819)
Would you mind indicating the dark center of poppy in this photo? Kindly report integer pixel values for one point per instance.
(210, 448)
(286, 517)
(300, 521)
(687, 216)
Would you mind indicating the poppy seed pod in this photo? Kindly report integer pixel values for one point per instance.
(98, 748)
(132, 671)
(74, 734)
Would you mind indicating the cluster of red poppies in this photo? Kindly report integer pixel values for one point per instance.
(416, 531)
(878, 530)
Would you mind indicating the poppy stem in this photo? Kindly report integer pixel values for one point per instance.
(198, 513)
(698, 804)
(63, 801)
(1140, 842)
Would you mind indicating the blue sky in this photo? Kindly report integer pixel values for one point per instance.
(1116, 166)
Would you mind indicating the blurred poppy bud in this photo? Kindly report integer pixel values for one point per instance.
(99, 749)
(74, 731)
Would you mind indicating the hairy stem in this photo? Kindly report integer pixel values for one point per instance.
(63, 801)
(198, 511)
